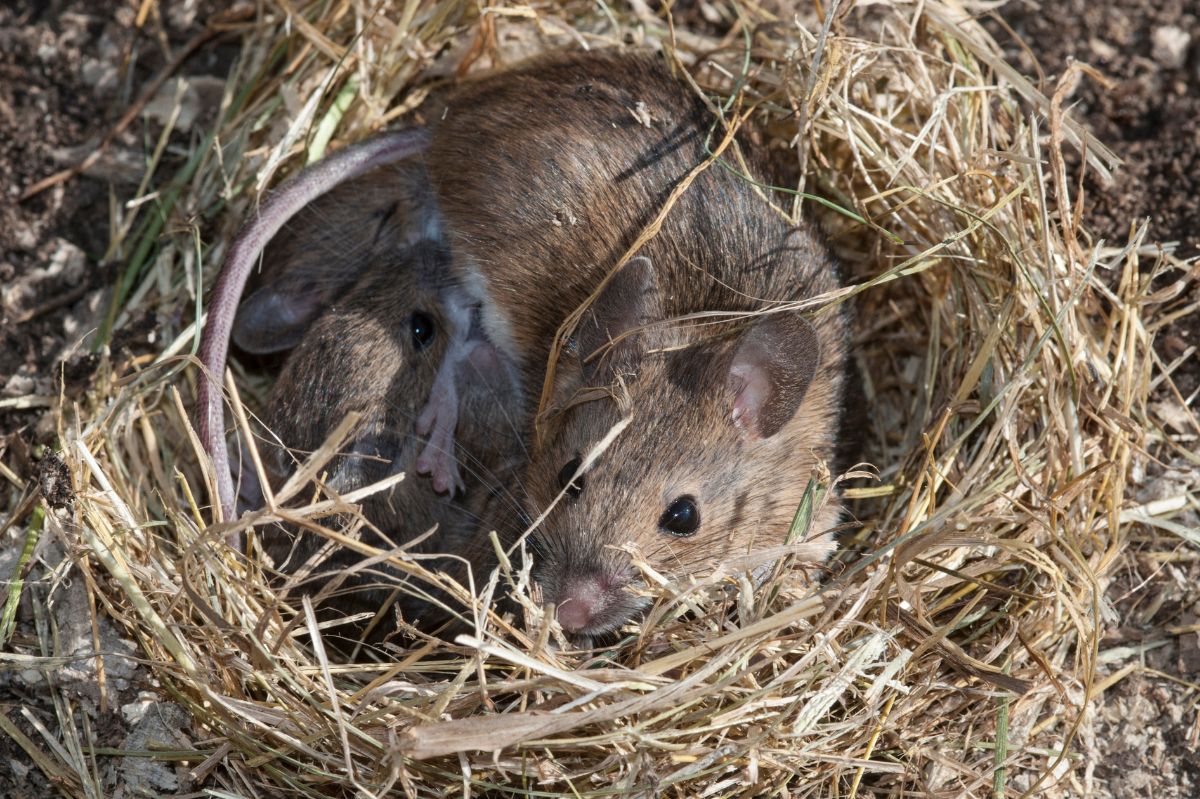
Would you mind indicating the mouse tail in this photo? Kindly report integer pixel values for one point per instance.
(283, 203)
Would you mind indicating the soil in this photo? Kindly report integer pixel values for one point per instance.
(69, 68)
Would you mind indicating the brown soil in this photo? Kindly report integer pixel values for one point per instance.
(68, 70)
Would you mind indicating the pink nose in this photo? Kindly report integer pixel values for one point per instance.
(579, 605)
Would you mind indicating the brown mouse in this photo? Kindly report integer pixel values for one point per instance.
(352, 284)
(729, 396)
(374, 351)
(725, 393)
(290, 199)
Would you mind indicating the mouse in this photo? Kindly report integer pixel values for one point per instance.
(699, 365)
(374, 350)
(699, 394)
(292, 197)
(348, 286)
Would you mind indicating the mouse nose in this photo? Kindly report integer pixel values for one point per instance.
(580, 603)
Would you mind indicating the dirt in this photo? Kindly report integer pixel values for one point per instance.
(1150, 52)
(1145, 739)
(68, 68)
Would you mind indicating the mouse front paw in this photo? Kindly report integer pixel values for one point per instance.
(437, 459)
(441, 467)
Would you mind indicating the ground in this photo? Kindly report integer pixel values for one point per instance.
(68, 68)
(67, 72)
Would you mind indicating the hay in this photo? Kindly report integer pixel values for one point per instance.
(1007, 371)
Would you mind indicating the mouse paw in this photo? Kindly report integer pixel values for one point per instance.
(437, 459)
(437, 422)
(441, 466)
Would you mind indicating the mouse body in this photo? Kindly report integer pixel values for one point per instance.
(717, 398)
(374, 351)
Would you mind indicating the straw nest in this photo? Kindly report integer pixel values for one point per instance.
(1004, 355)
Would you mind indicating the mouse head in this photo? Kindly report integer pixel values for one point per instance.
(718, 437)
(375, 352)
(317, 257)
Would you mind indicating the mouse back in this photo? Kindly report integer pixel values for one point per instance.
(593, 144)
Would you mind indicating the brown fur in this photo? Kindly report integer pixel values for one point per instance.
(560, 137)
(542, 177)
(322, 250)
(359, 356)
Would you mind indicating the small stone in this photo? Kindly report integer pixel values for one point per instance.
(100, 74)
(68, 262)
(1103, 49)
(1170, 46)
(23, 236)
(32, 677)
(162, 725)
(191, 96)
(135, 711)
(19, 385)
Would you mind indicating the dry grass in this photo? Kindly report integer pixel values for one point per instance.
(1007, 365)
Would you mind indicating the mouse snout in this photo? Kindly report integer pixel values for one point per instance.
(587, 605)
(581, 602)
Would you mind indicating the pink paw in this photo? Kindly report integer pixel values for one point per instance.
(437, 459)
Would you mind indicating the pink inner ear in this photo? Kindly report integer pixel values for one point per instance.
(751, 389)
(770, 373)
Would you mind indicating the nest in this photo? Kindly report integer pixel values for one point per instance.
(1006, 367)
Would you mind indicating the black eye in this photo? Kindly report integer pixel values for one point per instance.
(574, 487)
(423, 330)
(681, 518)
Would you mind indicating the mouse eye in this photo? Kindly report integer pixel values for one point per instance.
(574, 487)
(423, 330)
(681, 518)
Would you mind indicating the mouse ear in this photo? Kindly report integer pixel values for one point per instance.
(275, 317)
(770, 372)
(628, 302)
